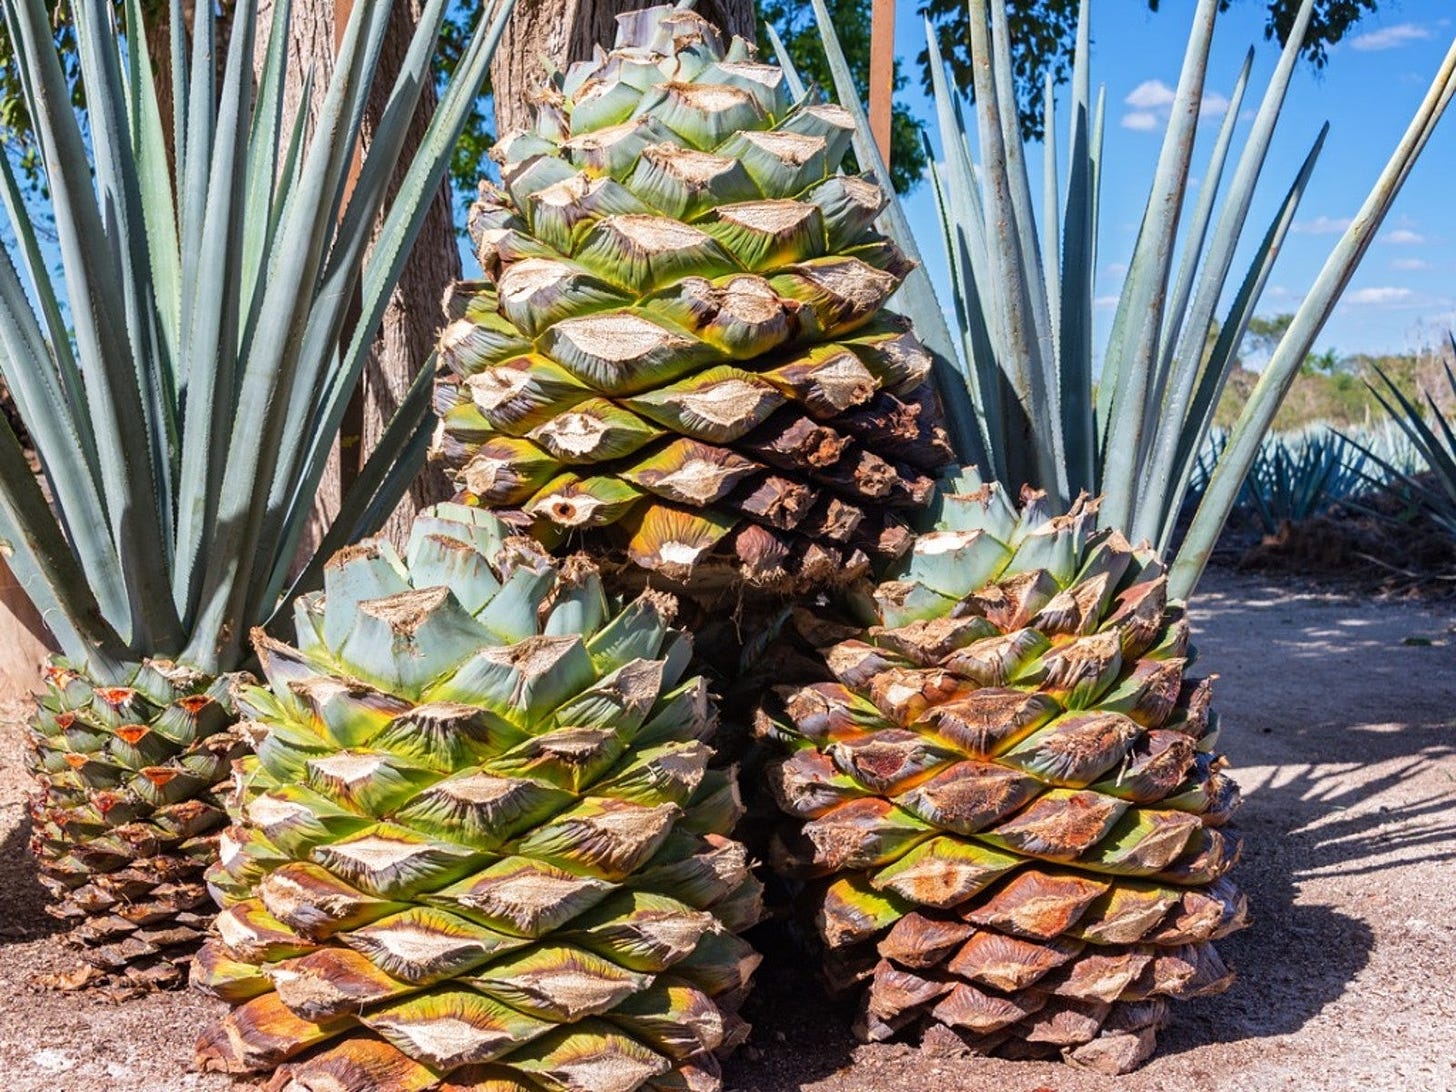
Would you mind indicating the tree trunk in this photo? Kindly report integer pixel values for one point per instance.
(558, 32)
(24, 640)
(407, 335)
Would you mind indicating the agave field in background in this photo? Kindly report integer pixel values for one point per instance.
(1299, 475)
(1421, 462)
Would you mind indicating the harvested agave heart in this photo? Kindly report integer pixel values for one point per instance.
(126, 815)
(681, 356)
(480, 846)
(1006, 795)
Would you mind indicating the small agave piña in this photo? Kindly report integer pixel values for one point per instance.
(1013, 815)
(479, 846)
(682, 354)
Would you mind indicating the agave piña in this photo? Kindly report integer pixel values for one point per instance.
(681, 354)
(1012, 815)
(480, 846)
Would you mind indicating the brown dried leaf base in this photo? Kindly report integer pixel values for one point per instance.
(133, 934)
(1101, 1010)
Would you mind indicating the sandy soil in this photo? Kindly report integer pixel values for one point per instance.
(1340, 718)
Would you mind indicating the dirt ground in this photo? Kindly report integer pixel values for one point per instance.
(1340, 718)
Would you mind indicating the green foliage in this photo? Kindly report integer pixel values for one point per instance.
(1335, 393)
(1431, 430)
(794, 22)
(1295, 476)
(184, 409)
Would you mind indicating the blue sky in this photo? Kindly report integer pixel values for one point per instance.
(1404, 294)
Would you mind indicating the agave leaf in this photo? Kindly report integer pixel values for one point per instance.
(965, 246)
(33, 545)
(264, 140)
(93, 273)
(57, 335)
(1221, 360)
(341, 272)
(1279, 374)
(1137, 329)
(26, 363)
(390, 250)
(1077, 276)
(212, 342)
(149, 150)
(270, 353)
(792, 79)
(1051, 241)
(1191, 342)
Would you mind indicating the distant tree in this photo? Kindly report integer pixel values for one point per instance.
(1266, 331)
(1328, 362)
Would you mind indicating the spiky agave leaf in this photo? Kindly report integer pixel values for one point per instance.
(479, 845)
(1011, 815)
(682, 346)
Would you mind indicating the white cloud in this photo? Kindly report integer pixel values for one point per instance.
(1322, 225)
(1152, 104)
(1116, 269)
(1213, 105)
(1380, 297)
(1392, 37)
(1151, 95)
(1410, 265)
(1105, 301)
(1404, 237)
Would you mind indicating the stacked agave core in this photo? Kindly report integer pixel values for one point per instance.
(681, 349)
(479, 846)
(127, 813)
(1012, 808)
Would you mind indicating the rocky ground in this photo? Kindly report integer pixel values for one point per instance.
(1340, 717)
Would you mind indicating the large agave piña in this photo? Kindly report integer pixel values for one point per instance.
(183, 404)
(1013, 814)
(479, 846)
(681, 350)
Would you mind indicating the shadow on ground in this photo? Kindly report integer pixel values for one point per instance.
(22, 909)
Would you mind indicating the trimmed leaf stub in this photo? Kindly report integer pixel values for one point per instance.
(480, 846)
(1008, 799)
(681, 356)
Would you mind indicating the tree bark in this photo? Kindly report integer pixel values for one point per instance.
(559, 32)
(407, 334)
